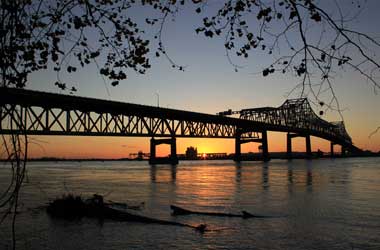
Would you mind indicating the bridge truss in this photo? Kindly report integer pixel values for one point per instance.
(297, 114)
(39, 113)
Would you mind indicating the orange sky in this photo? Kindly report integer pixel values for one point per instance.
(210, 84)
(120, 147)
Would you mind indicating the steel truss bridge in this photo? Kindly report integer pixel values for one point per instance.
(39, 113)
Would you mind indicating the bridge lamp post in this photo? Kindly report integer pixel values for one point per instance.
(158, 99)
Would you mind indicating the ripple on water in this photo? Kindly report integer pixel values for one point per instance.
(322, 204)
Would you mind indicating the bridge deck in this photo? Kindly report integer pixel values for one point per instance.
(43, 113)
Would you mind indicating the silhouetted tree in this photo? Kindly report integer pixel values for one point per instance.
(15, 147)
(308, 38)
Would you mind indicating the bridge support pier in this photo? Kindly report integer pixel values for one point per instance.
(289, 138)
(332, 149)
(173, 159)
(263, 141)
(308, 146)
(344, 150)
(264, 144)
(238, 143)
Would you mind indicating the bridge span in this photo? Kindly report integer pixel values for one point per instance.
(40, 113)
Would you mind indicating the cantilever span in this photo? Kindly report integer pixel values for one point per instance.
(298, 118)
(40, 113)
(297, 113)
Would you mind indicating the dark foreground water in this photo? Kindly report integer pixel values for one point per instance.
(320, 204)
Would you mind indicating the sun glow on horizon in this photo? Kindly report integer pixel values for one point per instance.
(77, 147)
(208, 85)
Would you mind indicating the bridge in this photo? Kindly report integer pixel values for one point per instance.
(40, 113)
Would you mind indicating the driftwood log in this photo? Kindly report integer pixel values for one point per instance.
(244, 214)
(74, 207)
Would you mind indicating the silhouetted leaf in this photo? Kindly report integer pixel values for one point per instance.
(293, 14)
(265, 72)
(316, 17)
(209, 33)
(323, 57)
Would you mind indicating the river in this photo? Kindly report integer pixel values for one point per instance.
(317, 204)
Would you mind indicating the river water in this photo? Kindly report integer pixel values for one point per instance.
(318, 204)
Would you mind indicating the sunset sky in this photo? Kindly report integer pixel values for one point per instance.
(209, 84)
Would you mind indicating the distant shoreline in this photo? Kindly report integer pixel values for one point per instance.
(254, 157)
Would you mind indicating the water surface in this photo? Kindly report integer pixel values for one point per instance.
(318, 204)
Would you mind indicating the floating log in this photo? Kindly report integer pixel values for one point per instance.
(73, 207)
(244, 214)
(125, 205)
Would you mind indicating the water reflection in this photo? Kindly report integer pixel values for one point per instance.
(328, 203)
(238, 176)
(206, 184)
(300, 173)
(174, 173)
(153, 173)
(309, 176)
(160, 173)
(265, 176)
(238, 172)
(290, 174)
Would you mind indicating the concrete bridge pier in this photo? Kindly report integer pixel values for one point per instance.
(264, 144)
(237, 156)
(173, 159)
(344, 149)
(263, 141)
(289, 138)
(332, 144)
(308, 146)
